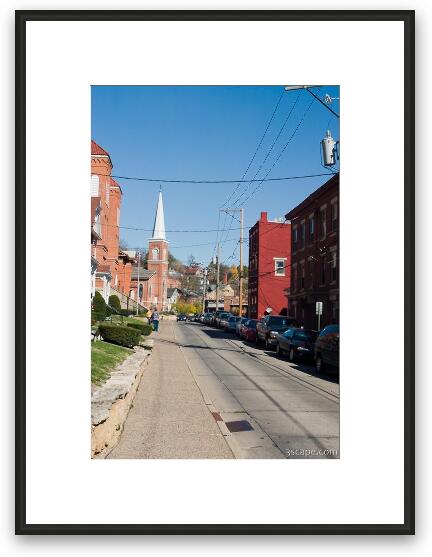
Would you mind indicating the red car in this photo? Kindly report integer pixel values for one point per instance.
(249, 331)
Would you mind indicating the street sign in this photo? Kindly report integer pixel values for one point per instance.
(318, 308)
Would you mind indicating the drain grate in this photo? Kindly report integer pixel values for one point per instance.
(240, 425)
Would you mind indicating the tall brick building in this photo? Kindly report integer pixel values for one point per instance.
(269, 266)
(110, 268)
(315, 256)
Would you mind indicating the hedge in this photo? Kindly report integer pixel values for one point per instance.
(143, 327)
(97, 317)
(114, 302)
(99, 305)
(117, 334)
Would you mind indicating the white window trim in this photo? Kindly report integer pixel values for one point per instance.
(276, 260)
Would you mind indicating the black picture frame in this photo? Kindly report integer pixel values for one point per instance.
(21, 18)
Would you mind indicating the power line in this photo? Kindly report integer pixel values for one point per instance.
(264, 161)
(279, 179)
(271, 149)
(281, 152)
(256, 150)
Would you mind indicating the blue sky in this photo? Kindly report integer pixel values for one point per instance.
(208, 133)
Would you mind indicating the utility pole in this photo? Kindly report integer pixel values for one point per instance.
(204, 288)
(241, 266)
(138, 283)
(241, 254)
(217, 276)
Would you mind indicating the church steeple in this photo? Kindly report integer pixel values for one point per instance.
(159, 223)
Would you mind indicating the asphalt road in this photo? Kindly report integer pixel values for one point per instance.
(207, 394)
(293, 413)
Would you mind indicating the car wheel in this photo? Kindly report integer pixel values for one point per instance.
(319, 364)
(291, 355)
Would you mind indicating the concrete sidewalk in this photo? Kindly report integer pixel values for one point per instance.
(169, 418)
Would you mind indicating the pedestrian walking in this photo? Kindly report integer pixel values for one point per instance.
(155, 320)
(149, 316)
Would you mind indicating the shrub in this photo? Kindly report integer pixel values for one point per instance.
(95, 317)
(114, 303)
(117, 334)
(99, 305)
(126, 312)
(143, 327)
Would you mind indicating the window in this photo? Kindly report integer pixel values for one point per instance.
(302, 275)
(294, 278)
(334, 216)
(333, 266)
(107, 191)
(311, 228)
(155, 252)
(95, 185)
(322, 269)
(294, 239)
(323, 224)
(280, 267)
(302, 234)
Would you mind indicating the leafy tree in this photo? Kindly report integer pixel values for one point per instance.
(175, 263)
(184, 307)
(233, 273)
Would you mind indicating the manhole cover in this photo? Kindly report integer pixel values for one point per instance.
(240, 425)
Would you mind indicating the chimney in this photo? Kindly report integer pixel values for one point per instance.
(226, 278)
(263, 216)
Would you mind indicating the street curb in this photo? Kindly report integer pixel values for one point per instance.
(111, 403)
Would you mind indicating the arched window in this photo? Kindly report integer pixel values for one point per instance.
(95, 185)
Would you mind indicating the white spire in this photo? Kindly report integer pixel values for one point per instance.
(159, 223)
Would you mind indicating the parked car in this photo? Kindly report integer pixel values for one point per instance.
(270, 326)
(181, 317)
(243, 328)
(232, 323)
(327, 348)
(296, 343)
(240, 322)
(215, 317)
(208, 318)
(249, 330)
(222, 320)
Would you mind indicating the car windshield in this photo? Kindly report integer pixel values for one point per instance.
(309, 336)
(232, 319)
(279, 322)
(224, 315)
(252, 324)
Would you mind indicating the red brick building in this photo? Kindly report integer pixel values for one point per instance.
(315, 256)
(269, 267)
(110, 267)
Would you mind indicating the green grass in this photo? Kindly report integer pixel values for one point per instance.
(118, 319)
(104, 358)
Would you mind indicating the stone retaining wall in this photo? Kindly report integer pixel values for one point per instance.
(110, 403)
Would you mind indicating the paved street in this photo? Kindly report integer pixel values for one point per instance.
(207, 394)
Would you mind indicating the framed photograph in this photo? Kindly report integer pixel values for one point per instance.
(250, 180)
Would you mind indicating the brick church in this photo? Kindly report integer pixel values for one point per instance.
(152, 283)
